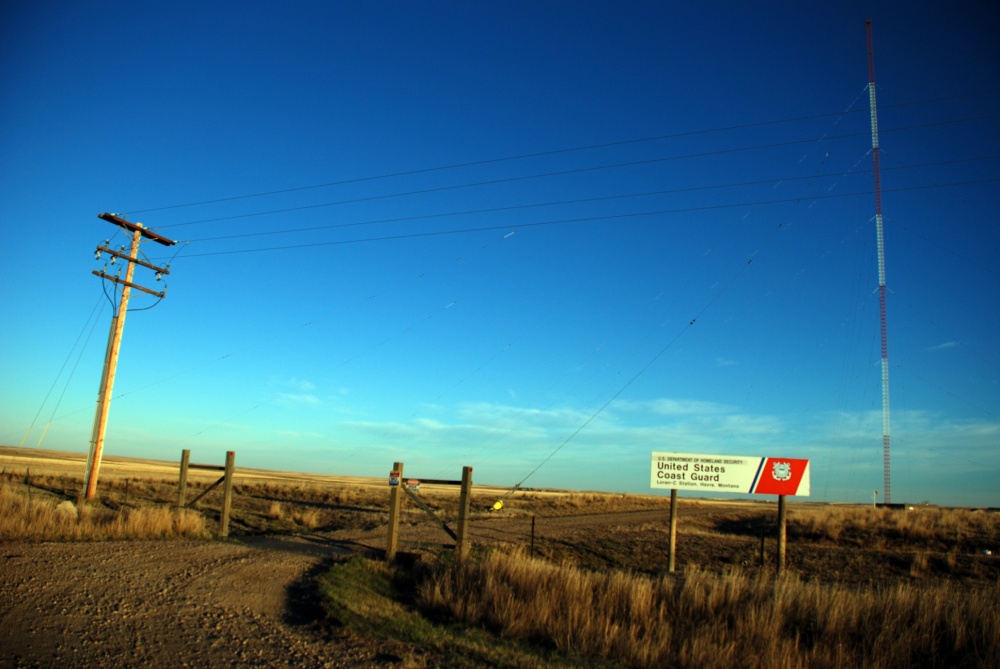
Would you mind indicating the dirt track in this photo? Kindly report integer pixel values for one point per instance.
(168, 604)
(180, 603)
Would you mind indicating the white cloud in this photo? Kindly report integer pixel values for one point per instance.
(296, 392)
(292, 434)
(494, 416)
(946, 345)
(673, 407)
(301, 399)
(292, 383)
(934, 457)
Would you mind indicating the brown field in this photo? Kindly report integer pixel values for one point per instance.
(577, 579)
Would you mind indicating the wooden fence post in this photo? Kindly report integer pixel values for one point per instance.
(464, 500)
(227, 493)
(183, 483)
(395, 502)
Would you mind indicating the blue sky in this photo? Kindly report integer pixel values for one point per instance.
(540, 239)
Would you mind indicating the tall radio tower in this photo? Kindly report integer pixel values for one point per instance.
(881, 268)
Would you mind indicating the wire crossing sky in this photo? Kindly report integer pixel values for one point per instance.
(539, 240)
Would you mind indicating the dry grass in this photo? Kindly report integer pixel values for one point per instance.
(701, 619)
(930, 527)
(934, 606)
(39, 516)
(309, 518)
(275, 511)
(258, 506)
(559, 503)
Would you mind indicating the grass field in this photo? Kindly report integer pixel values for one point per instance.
(864, 587)
(707, 619)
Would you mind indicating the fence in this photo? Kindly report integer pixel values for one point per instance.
(397, 484)
(226, 480)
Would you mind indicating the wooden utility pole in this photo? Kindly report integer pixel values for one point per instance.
(115, 336)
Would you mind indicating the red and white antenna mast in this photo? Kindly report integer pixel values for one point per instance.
(881, 267)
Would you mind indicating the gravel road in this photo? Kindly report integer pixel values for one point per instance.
(169, 604)
(245, 603)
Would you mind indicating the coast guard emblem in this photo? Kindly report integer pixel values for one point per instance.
(781, 471)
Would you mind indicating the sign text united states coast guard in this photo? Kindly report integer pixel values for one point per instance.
(730, 473)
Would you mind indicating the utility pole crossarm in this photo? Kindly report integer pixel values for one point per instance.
(123, 282)
(119, 254)
(132, 227)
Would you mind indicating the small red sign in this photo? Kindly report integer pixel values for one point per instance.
(780, 476)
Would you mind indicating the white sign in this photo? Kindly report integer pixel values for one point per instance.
(730, 473)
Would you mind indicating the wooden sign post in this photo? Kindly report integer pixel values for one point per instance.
(672, 555)
(782, 535)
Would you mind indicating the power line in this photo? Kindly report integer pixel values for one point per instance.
(477, 163)
(508, 226)
(540, 154)
(493, 182)
(603, 198)
(62, 369)
(544, 175)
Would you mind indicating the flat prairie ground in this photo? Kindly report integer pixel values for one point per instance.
(251, 600)
(836, 543)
